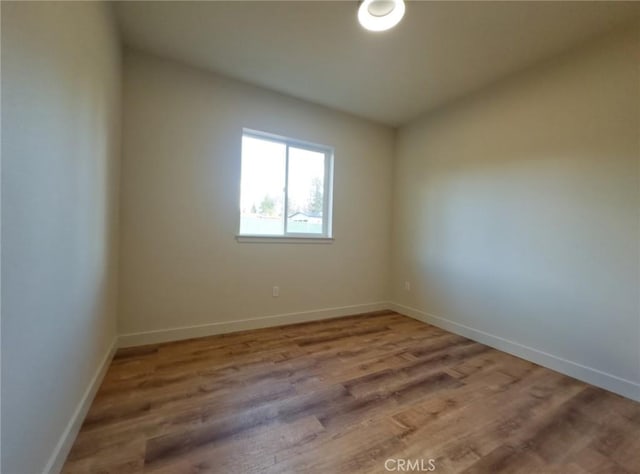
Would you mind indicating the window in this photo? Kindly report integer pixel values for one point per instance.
(286, 187)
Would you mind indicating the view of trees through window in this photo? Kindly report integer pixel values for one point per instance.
(269, 177)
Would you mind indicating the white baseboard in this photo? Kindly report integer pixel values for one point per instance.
(188, 332)
(61, 451)
(613, 383)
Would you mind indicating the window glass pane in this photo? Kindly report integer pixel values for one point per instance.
(305, 191)
(262, 187)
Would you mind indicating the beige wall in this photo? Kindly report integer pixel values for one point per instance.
(60, 123)
(180, 262)
(516, 213)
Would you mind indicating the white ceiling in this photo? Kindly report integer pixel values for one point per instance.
(317, 50)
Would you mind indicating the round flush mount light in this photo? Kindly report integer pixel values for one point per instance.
(380, 15)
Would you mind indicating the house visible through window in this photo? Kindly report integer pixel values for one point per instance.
(286, 187)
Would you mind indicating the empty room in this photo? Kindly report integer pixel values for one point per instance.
(320, 237)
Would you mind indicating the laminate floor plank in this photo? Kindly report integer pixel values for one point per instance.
(344, 396)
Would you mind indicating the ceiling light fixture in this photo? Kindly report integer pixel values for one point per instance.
(380, 15)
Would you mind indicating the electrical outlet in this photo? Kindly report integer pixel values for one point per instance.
(407, 286)
(276, 291)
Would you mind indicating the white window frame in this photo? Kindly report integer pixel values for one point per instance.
(327, 201)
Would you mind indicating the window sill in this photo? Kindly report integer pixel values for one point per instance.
(276, 239)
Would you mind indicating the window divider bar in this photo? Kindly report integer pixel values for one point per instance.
(326, 204)
(286, 190)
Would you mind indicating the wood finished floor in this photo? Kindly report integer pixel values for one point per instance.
(343, 396)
